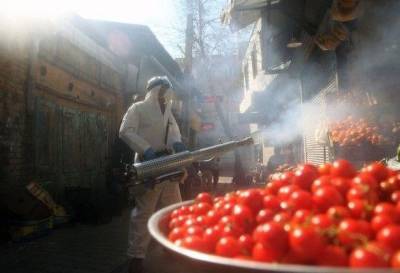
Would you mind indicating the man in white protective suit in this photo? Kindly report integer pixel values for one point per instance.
(150, 129)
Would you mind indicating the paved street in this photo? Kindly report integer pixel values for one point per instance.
(87, 249)
(76, 249)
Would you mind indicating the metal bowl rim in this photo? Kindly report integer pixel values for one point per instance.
(153, 226)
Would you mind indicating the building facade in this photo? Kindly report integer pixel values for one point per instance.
(64, 87)
(306, 60)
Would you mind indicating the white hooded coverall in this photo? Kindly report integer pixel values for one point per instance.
(144, 126)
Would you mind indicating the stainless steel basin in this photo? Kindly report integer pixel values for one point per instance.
(158, 228)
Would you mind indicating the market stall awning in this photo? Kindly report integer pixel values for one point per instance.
(241, 13)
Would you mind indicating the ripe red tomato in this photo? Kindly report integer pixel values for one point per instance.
(380, 221)
(224, 209)
(321, 182)
(211, 237)
(230, 198)
(377, 170)
(271, 202)
(343, 168)
(388, 209)
(227, 219)
(204, 197)
(180, 211)
(243, 217)
(365, 179)
(338, 213)
(292, 258)
(285, 206)
(342, 184)
(246, 244)
(174, 223)
(354, 232)
(174, 214)
(322, 221)
(264, 216)
(282, 218)
(274, 186)
(179, 242)
(201, 220)
(176, 233)
(251, 198)
(285, 192)
(194, 231)
(359, 209)
(212, 218)
(190, 221)
(395, 197)
(227, 247)
(301, 217)
(394, 182)
(272, 235)
(194, 243)
(395, 261)
(264, 253)
(218, 199)
(306, 242)
(370, 256)
(385, 188)
(333, 256)
(201, 208)
(231, 230)
(304, 177)
(300, 199)
(389, 237)
(326, 197)
(325, 169)
(218, 205)
(286, 178)
(358, 192)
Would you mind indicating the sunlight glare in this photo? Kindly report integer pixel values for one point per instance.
(35, 9)
(136, 11)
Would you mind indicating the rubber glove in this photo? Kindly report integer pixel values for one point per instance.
(149, 154)
(179, 147)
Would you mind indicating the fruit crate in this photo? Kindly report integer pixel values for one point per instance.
(361, 154)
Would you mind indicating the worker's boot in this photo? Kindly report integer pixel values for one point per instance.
(136, 265)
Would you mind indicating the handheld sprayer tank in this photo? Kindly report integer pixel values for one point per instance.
(176, 162)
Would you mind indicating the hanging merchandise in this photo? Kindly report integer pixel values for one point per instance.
(345, 10)
(332, 38)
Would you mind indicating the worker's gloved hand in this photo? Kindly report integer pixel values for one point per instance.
(149, 154)
(179, 147)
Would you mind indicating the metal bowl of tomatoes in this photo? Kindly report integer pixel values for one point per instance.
(203, 262)
(330, 218)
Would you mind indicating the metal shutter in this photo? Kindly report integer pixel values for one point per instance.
(315, 152)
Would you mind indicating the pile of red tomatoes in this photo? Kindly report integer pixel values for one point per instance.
(330, 215)
(351, 131)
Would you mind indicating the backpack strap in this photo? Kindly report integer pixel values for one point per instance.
(166, 133)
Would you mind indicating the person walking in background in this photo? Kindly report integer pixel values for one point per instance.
(276, 160)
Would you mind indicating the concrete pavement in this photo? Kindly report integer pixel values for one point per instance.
(87, 249)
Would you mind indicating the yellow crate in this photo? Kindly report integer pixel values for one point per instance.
(27, 230)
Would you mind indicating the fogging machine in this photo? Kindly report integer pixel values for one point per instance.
(171, 167)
